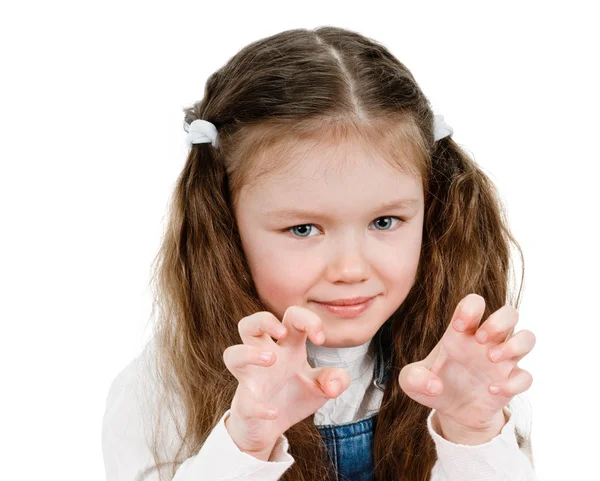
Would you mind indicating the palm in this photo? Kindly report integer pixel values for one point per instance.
(462, 364)
(290, 385)
(466, 372)
(287, 384)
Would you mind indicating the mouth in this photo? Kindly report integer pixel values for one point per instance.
(346, 311)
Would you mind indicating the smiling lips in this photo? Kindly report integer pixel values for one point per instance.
(348, 307)
(347, 302)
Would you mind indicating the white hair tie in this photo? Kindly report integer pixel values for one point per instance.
(440, 128)
(203, 132)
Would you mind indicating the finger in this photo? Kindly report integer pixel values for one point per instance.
(518, 382)
(468, 313)
(417, 379)
(240, 356)
(332, 381)
(260, 326)
(498, 326)
(300, 323)
(516, 348)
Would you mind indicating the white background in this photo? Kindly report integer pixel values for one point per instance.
(92, 142)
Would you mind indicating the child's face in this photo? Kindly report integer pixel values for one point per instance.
(349, 248)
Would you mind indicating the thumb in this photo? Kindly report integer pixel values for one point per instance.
(333, 381)
(415, 380)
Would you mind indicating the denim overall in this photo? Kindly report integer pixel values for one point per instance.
(350, 445)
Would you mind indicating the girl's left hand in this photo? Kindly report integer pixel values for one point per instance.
(463, 365)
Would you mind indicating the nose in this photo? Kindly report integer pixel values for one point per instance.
(348, 261)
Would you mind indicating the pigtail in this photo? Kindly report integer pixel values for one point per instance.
(466, 248)
(204, 292)
(467, 239)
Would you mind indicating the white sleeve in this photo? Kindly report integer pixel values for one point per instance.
(127, 455)
(497, 460)
(221, 460)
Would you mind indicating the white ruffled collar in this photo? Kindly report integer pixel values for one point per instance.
(352, 359)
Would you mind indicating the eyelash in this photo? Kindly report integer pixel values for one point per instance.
(401, 221)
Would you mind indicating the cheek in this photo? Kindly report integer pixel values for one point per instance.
(288, 274)
(398, 263)
(282, 279)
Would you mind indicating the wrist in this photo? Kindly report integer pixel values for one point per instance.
(263, 454)
(459, 434)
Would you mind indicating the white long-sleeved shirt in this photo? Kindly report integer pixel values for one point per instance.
(132, 396)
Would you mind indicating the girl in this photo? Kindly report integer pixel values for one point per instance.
(326, 219)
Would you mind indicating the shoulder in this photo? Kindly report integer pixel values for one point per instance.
(134, 419)
(124, 404)
(135, 404)
(125, 440)
(130, 379)
(135, 394)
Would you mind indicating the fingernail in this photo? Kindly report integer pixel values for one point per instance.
(335, 384)
(280, 330)
(320, 337)
(433, 386)
(265, 356)
(460, 325)
(494, 389)
(481, 336)
(495, 354)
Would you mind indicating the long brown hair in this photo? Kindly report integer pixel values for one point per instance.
(307, 83)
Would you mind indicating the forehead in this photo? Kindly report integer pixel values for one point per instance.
(325, 174)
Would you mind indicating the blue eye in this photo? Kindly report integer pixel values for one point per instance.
(388, 217)
(301, 227)
(306, 227)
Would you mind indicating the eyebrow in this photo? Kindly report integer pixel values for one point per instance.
(286, 214)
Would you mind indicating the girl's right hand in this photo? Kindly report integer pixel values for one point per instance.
(287, 383)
